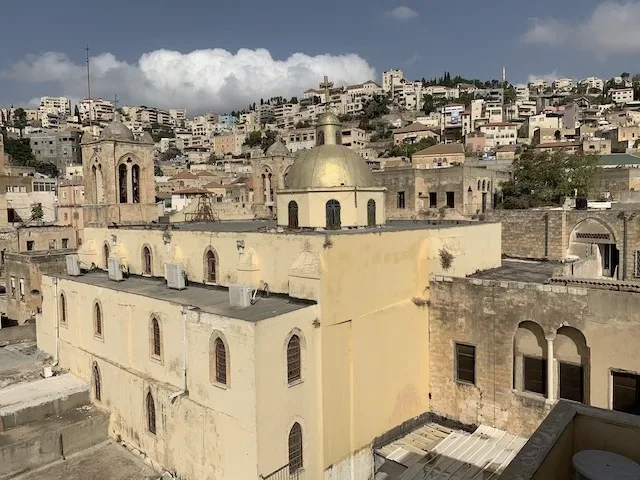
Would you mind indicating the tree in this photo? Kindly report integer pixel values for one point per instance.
(543, 178)
(20, 119)
(20, 154)
(294, 100)
(253, 139)
(375, 107)
(268, 139)
(304, 123)
(636, 78)
(510, 95)
(36, 212)
(170, 154)
(408, 149)
(157, 171)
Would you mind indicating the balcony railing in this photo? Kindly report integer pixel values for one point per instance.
(284, 473)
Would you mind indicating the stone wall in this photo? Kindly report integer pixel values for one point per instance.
(487, 314)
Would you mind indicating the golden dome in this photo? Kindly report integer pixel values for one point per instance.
(329, 164)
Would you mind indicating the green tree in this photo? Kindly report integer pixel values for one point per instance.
(510, 94)
(375, 107)
(543, 178)
(157, 171)
(170, 154)
(268, 139)
(36, 212)
(636, 78)
(20, 154)
(408, 149)
(20, 119)
(253, 139)
(466, 98)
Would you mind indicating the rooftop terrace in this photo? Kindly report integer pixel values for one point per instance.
(521, 271)
(240, 226)
(209, 299)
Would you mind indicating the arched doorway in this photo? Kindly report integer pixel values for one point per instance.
(593, 241)
(147, 264)
(572, 355)
(333, 214)
(371, 213)
(105, 256)
(293, 214)
(211, 266)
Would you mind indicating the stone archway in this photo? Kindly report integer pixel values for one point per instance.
(594, 244)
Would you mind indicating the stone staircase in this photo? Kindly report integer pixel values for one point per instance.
(46, 420)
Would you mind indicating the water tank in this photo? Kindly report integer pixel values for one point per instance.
(581, 203)
(602, 465)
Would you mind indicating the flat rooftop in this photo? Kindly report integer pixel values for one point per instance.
(240, 226)
(528, 271)
(209, 299)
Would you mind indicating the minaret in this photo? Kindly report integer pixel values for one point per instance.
(504, 76)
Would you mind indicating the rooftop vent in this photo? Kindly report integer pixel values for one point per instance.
(73, 265)
(240, 296)
(115, 269)
(175, 276)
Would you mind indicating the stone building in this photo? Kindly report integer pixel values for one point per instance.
(423, 192)
(70, 206)
(309, 371)
(439, 156)
(61, 148)
(118, 177)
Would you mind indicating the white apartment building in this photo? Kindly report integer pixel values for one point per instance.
(96, 110)
(178, 116)
(493, 111)
(541, 121)
(621, 95)
(538, 84)
(499, 134)
(441, 92)
(367, 88)
(390, 78)
(594, 83)
(58, 106)
(563, 84)
(522, 94)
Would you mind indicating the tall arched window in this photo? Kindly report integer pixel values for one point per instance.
(105, 256)
(122, 183)
(371, 213)
(293, 214)
(151, 414)
(97, 383)
(295, 448)
(211, 266)
(97, 320)
(333, 214)
(146, 261)
(156, 340)
(294, 361)
(135, 183)
(63, 309)
(479, 184)
(484, 185)
(221, 362)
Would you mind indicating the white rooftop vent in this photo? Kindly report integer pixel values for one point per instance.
(240, 296)
(175, 276)
(73, 265)
(115, 269)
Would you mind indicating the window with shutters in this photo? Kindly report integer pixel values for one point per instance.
(294, 361)
(63, 310)
(97, 383)
(221, 362)
(535, 375)
(465, 363)
(151, 414)
(156, 339)
(97, 321)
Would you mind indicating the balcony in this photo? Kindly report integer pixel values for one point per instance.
(285, 473)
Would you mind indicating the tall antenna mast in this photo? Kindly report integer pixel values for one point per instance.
(89, 89)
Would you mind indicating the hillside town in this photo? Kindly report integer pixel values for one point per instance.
(393, 280)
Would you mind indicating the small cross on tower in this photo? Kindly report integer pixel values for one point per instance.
(326, 85)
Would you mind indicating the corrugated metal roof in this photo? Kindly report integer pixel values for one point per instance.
(434, 452)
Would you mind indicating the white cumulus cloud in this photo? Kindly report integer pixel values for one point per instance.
(402, 13)
(547, 77)
(611, 28)
(202, 80)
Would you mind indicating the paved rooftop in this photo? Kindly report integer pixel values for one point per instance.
(207, 298)
(520, 271)
(19, 363)
(435, 452)
(239, 226)
(107, 461)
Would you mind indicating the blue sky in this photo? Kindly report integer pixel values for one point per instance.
(424, 37)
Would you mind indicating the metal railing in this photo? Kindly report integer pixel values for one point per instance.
(284, 473)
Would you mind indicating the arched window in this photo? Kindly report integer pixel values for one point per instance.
(122, 182)
(293, 214)
(97, 320)
(294, 361)
(371, 213)
(479, 184)
(156, 340)
(63, 309)
(211, 266)
(97, 383)
(146, 261)
(135, 183)
(221, 362)
(484, 185)
(295, 448)
(333, 214)
(105, 256)
(151, 414)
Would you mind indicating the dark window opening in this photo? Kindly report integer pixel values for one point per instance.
(465, 363)
(626, 392)
(401, 202)
(333, 214)
(155, 327)
(293, 359)
(151, 414)
(295, 448)
(146, 254)
(97, 317)
(122, 182)
(535, 375)
(135, 183)
(433, 200)
(572, 382)
(30, 245)
(221, 362)
(211, 267)
(451, 203)
(97, 386)
(293, 214)
(371, 213)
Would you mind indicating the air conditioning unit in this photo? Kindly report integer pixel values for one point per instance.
(115, 269)
(73, 265)
(240, 296)
(175, 276)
